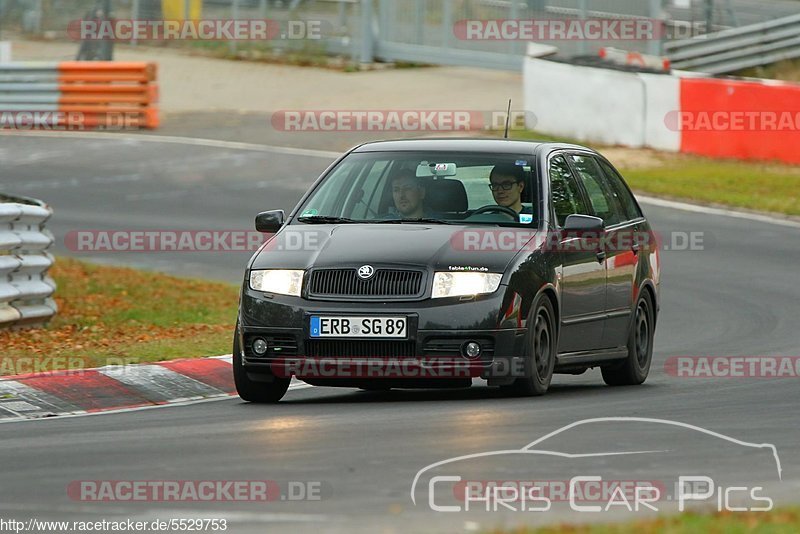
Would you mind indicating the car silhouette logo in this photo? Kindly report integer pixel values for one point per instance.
(365, 272)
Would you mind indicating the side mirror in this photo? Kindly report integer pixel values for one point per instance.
(269, 222)
(584, 223)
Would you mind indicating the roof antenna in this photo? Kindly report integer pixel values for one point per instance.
(508, 118)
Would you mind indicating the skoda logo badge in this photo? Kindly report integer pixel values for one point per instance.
(365, 272)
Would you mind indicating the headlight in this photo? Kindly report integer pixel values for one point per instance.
(462, 284)
(283, 282)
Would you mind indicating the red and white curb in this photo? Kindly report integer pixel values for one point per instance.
(117, 387)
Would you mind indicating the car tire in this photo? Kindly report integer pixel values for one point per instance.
(541, 345)
(634, 369)
(250, 390)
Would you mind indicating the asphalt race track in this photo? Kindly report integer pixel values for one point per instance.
(738, 296)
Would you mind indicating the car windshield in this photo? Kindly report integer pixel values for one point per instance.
(429, 187)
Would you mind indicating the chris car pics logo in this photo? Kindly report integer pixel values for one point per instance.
(591, 482)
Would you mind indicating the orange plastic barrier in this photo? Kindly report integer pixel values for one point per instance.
(740, 119)
(107, 92)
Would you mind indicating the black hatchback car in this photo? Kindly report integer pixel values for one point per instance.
(427, 263)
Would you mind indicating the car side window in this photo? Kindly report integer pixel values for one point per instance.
(567, 199)
(623, 193)
(605, 203)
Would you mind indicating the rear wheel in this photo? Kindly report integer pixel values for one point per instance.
(540, 350)
(634, 369)
(270, 391)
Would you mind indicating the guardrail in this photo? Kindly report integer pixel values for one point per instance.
(739, 48)
(80, 94)
(25, 288)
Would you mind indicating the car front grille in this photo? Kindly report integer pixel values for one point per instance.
(359, 348)
(384, 284)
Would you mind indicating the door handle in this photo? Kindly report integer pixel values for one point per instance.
(601, 256)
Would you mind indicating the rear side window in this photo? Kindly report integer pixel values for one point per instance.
(605, 203)
(567, 199)
(623, 193)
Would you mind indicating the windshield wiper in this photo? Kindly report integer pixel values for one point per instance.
(415, 220)
(324, 219)
(426, 220)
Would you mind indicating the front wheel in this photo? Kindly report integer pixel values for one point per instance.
(541, 344)
(634, 369)
(267, 392)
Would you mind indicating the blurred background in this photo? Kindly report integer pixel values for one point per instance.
(408, 31)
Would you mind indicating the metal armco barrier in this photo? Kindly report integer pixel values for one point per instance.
(80, 94)
(25, 287)
(739, 48)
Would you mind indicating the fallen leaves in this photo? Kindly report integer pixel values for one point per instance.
(111, 312)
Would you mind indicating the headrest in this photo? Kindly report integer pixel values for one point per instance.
(446, 196)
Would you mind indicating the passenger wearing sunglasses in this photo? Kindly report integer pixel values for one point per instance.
(507, 183)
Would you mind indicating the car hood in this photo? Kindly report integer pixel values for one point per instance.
(439, 246)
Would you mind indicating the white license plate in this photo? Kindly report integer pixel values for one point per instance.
(385, 327)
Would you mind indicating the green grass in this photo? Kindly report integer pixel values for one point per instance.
(771, 187)
(531, 135)
(112, 315)
(779, 521)
(762, 187)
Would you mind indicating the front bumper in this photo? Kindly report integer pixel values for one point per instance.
(437, 331)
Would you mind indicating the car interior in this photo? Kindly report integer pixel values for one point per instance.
(458, 197)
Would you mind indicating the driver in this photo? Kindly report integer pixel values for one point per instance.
(507, 183)
(408, 193)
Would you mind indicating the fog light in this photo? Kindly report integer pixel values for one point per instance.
(260, 346)
(471, 350)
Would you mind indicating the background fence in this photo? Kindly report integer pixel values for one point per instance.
(409, 30)
(25, 288)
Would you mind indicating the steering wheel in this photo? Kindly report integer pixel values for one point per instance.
(496, 209)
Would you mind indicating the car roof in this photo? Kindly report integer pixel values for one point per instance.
(502, 146)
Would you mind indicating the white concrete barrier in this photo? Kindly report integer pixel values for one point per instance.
(5, 51)
(662, 96)
(597, 105)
